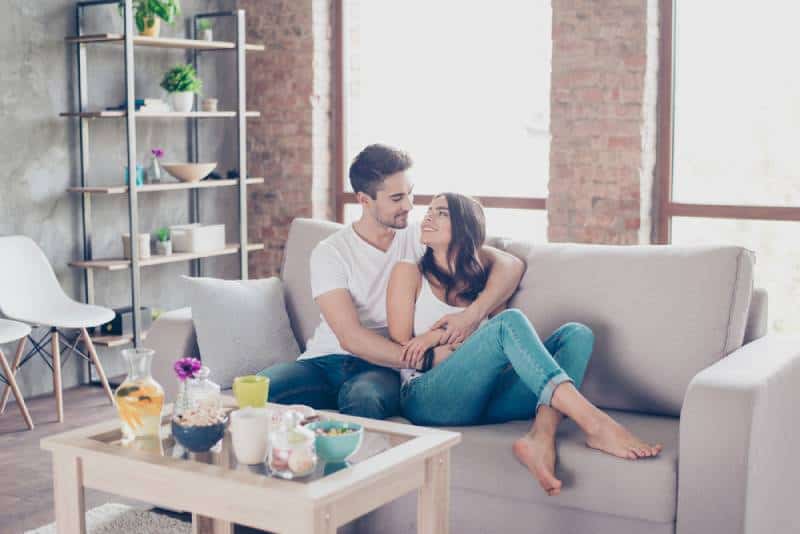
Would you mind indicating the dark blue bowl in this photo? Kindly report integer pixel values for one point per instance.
(198, 438)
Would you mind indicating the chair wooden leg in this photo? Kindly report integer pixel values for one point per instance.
(87, 341)
(14, 367)
(56, 349)
(12, 383)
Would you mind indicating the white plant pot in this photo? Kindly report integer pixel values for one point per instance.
(182, 102)
(164, 248)
(207, 35)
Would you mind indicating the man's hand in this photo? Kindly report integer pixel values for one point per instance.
(414, 350)
(458, 326)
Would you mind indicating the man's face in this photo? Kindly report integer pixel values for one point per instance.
(393, 201)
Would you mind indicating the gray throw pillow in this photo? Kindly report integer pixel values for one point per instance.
(242, 325)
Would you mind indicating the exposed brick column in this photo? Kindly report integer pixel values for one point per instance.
(289, 144)
(597, 111)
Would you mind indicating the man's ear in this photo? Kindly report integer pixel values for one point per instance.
(363, 199)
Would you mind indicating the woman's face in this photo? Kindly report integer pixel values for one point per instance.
(436, 224)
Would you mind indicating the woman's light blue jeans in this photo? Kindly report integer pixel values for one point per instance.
(502, 372)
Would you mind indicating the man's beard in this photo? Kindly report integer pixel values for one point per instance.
(398, 222)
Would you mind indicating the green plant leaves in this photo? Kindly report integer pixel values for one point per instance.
(181, 78)
(145, 11)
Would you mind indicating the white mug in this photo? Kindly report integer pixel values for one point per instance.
(250, 434)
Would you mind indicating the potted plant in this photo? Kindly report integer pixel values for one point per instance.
(148, 14)
(181, 82)
(204, 29)
(163, 243)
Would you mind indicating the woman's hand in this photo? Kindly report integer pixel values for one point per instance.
(458, 326)
(414, 350)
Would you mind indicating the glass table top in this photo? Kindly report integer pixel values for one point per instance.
(374, 443)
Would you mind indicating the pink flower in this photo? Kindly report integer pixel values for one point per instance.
(157, 152)
(186, 368)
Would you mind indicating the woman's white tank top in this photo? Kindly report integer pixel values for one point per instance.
(428, 309)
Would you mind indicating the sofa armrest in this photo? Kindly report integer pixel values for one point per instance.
(739, 436)
(171, 336)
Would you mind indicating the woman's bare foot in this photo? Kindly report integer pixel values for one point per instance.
(607, 435)
(538, 453)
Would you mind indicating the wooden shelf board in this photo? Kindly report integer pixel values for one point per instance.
(170, 186)
(105, 114)
(115, 341)
(162, 42)
(119, 264)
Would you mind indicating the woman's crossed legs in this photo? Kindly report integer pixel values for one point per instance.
(475, 385)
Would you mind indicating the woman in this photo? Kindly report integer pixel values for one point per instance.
(503, 371)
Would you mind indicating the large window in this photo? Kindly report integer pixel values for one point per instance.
(733, 174)
(465, 89)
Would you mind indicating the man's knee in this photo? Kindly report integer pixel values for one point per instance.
(297, 382)
(376, 399)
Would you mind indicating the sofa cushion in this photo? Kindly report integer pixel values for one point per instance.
(242, 326)
(304, 234)
(593, 481)
(660, 314)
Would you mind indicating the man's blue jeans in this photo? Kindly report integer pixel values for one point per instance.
(338, 381)
(501, 373)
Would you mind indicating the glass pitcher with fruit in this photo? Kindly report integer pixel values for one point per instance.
(139, 397)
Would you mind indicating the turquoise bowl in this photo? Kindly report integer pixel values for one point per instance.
(337, 449)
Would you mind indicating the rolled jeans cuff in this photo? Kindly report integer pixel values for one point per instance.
(546, 396)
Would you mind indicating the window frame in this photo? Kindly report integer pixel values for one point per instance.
(342, 196)
(667, 208)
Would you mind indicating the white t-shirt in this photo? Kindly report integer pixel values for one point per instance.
(345, 260)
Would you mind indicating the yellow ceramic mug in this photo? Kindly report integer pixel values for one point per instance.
(251, 390)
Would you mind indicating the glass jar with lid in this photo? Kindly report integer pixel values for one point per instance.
(292, 453)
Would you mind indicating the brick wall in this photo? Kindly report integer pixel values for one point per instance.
(602, 118)
(289, 83)
(597, 108)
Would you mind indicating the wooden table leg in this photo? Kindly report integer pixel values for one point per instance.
(68, 494)
(433, 499)
(208, 525)
(56, 350)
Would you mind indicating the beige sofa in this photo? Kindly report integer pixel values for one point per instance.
(681, 357)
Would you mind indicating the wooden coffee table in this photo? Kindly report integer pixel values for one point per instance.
(394, 460)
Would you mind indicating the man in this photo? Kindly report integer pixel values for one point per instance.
(350, 364)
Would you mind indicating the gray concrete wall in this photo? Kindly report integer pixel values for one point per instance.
(40, 155)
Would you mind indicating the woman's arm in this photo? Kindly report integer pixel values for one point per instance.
(505, 272)
(401, 297)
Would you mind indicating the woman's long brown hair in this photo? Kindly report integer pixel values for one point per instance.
(467, 234)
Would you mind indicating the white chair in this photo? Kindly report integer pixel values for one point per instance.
(11, 331)
(30, 293)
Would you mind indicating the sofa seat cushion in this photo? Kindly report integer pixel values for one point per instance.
(593, 481)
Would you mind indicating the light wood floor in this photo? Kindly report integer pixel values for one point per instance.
(26, 480)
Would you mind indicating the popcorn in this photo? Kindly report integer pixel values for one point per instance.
(203, 415)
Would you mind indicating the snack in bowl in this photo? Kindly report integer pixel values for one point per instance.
(199, 429)
(336, 441)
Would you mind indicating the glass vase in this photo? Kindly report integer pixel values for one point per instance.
(204, 394)
(154, 171)
(139, 397)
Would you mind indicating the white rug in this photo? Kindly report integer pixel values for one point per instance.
(115, 518)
